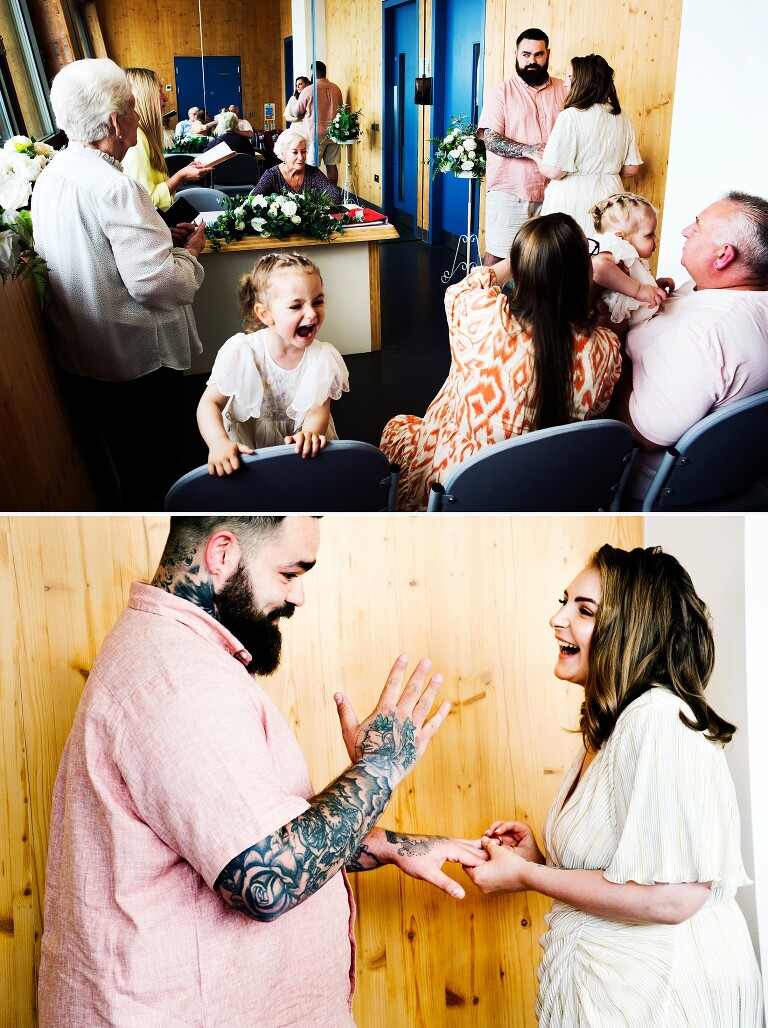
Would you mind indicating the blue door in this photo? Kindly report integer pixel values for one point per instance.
(209, 82)
(459, 37)
(401, 132)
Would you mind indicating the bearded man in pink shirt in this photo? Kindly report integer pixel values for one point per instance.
(195, 878)
(516, 120)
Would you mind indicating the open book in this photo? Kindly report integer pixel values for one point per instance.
(216, 155)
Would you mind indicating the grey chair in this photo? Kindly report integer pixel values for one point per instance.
(345, 476)
(204, 199)
(578, 467)
(177, 161)
(718, 464)
(238, 175)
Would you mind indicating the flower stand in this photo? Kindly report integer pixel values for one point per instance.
(348, 187)
(464, 240)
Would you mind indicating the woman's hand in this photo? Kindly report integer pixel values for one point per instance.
(519, 836)
(194, 171)
(308, 444)
(652, 295)
(196, 241)
(504, 872)
(223, 457)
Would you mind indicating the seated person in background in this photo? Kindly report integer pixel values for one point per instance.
(145, 162)
(227, 129)
(273, 383)
(517, 365)
(290, 113)
(708, 345)
(243, 127)
(626, 226)
(293, 174)
(183, 127)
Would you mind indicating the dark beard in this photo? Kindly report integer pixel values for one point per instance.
(257, 631)
(534, 75)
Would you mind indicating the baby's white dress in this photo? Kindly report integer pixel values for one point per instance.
(267, 402)
(657, 804)
(619, 304)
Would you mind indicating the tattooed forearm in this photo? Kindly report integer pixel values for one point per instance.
(504, 147)
(290, 865)
(413, 845)
(363, 859)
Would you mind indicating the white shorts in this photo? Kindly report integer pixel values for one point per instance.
(505, 214)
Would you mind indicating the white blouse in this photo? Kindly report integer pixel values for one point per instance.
(619, 304)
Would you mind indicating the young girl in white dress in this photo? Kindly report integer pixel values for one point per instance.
(273, 383)
(626, 231)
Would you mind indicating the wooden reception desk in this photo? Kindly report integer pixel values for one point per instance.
(349, 265)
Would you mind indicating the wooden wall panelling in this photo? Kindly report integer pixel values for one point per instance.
(473, 593)
(40, 469)
(91, 18)
(150, 33)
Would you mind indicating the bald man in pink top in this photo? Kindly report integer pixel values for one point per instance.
(195, 877)
(516, 120)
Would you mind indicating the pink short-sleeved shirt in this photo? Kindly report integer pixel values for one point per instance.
(703, 350)
(526, 114)
(177, 762)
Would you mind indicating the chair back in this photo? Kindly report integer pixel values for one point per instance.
(204, 199)
(177, 161)
(718, 463)
(578, 467)
(238, 175)
(345, 476)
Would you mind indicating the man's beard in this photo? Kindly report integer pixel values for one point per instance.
(258, 632)
(533, 74)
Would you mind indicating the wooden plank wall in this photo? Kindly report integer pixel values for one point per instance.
(473, 593)
(41, 467)
(150, 33)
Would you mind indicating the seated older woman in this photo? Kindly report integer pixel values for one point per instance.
(228, 133)
(121, 284)
(293, 174)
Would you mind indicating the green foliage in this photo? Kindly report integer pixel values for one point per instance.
(345, 125)
(276, 216)
(190, 144)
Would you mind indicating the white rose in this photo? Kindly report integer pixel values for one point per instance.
(273, 210)
(10, 144)
(258, 201)
(296, 219)
(239, 225)
(9, 251)
(467, 165)
(257, 224)
(15, 192)
(44, 149)
(470, 144)
(290, 208)
(454, 153)
(5, 162)
(239, 213)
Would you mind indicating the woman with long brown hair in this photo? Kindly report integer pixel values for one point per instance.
(592, 145)
(532, 362)
(641, 845)
(145, 162)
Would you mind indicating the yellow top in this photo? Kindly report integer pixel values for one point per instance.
(136, 165)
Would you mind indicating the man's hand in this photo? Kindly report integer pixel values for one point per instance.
(394, 737)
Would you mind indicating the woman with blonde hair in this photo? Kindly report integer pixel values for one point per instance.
(145, 162)
(534, 361)
(641, 845)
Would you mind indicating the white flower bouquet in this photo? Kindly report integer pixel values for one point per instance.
(21, 161)
(459, 150)
(275, 216)
(345, 126)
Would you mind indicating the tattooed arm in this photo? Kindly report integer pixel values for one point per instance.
(281, 870)
(420, 856)
(505, 147)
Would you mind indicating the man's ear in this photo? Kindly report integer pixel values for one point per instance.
(726, 254)
(222, 554)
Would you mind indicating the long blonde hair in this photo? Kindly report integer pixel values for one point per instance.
(145, 85)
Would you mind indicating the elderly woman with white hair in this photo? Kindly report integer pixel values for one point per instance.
(293, 174)
(227, 132)
(121, 285)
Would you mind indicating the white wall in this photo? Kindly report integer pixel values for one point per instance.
(719, 140)
(727, 558)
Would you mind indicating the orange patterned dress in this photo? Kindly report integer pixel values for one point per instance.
(490, 390)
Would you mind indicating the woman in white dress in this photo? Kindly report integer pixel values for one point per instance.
(642, 842)
(592, 145)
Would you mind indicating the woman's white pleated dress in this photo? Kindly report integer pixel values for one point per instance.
(657, 804)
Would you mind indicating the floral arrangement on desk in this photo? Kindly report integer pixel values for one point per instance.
(459, 151)
(21, 161)
(345, 127)
(189, 144)
(275, 217)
